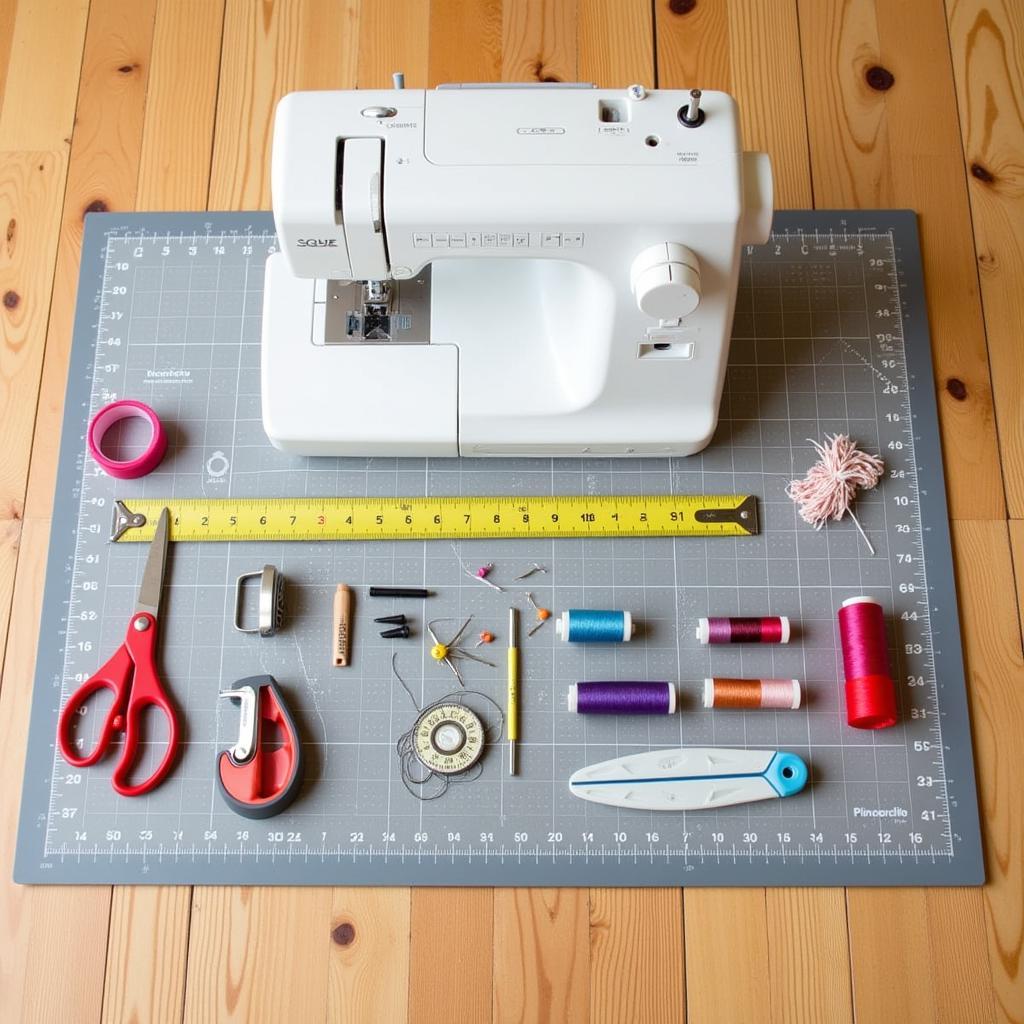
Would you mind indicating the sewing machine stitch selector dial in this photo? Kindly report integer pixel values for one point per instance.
(666, 281)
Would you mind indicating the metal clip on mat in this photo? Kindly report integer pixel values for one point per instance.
(271, 607)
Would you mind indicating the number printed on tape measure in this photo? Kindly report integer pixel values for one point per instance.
(429, 518)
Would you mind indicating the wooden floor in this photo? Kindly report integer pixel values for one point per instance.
(167, 104)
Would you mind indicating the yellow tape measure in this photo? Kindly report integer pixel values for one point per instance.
(441, 518)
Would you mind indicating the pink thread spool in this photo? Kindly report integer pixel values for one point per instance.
(870, 690)
(765, 629)
(752, 694)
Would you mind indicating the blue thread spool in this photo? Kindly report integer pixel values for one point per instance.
(622, 698)
(590, 626)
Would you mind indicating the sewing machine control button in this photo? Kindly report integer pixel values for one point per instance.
(378, 112)
(490, 239)
(572, 239)
(473, 239)
(457, 240)
(504, 239)
(551, 240)
(440, 239)
(421, 240)
(521, 238)
(666, 281)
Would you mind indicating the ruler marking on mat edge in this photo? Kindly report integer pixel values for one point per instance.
(446, 518)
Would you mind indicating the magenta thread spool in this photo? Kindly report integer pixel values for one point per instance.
(622, 698)
(752, 694)
(870, 690)
(767, 629)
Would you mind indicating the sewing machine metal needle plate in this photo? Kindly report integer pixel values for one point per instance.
(830, 335)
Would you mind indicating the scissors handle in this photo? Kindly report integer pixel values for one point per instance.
(114, 675)
(146, 691)
(131, 674)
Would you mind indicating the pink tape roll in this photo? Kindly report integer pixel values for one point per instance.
(128, 469)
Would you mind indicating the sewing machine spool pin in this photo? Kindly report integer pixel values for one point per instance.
(691, 116)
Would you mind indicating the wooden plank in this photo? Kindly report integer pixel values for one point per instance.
(369, 958)
(452, 979)
(174, 166)
(39, 109)
(148, 942)
(465, 41)
(616, 42)
(992, 621)
(30, 188)
(538, 41)
(547, 977)
(393, 37)
(809, 955)
(258, 955)
(715, 44)
(42, 926)
(636, 955)
(630, 976)
(269, 50)
(727, 972)
(987, 44)
(53, 925)
(8, 12)
(883, 132)
(146, 953)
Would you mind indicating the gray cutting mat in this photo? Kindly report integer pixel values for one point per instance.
(830, 335)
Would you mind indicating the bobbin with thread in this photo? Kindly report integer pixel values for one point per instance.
(765, 629)
(753, 694)
(589, 625)
(870, 689)
(622, 698)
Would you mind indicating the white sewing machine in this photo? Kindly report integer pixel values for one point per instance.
(504, 270)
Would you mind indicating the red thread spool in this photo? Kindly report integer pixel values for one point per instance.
(870, 690)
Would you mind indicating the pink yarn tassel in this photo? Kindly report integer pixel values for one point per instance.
(832, 482)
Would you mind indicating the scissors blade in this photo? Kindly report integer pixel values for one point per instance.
(156, 563)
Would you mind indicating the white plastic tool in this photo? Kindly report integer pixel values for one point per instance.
(511, 270)
(689, 779)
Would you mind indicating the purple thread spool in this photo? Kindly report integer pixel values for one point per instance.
(622, 698)
(768, 629)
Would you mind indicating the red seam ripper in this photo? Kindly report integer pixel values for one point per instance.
(262, 773)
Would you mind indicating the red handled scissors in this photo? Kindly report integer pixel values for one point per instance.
(131, 674)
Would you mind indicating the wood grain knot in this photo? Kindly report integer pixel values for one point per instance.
(127, 69)
(12, 230)
(879, 78)
(982, 173)
(542, 74)
(11, 299)
(344, 934)
(957, 388)
(681, 6)
(96, 206)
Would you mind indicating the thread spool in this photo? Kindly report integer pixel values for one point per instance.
(766, 629)
(750, 694)
(591, 626)
(870, 690)
(622, 698)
